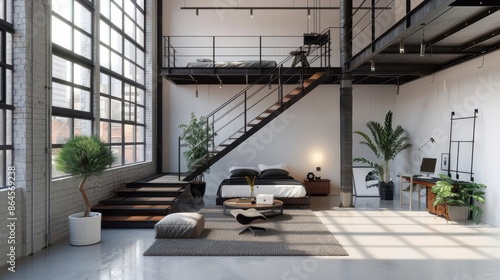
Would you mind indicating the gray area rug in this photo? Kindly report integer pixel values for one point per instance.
(295, 233)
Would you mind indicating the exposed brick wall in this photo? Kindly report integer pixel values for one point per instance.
(31, 131)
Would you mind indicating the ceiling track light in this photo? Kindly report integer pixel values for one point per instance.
(308, 13)
(372, 65)
(197, 13)
(401, 46)
(251, 13)
(422, 44)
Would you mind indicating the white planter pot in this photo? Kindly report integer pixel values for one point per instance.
(85, 231)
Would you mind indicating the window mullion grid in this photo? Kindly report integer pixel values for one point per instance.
(125, 80)
(4, 133)
(3, 89)
(87, 3)
(7, 26)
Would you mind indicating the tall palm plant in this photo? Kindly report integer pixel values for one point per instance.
(385, 142)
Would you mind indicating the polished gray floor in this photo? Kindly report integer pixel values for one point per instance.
(383, 240)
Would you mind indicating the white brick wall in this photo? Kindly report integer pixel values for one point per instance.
(31, 130)
(66, 199)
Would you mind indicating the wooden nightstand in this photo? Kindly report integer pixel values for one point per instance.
(318, 187)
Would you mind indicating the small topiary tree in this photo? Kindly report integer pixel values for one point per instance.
(84, 156)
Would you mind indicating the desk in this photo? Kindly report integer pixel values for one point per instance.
(428, 183)
(316, 39)
(407, 178)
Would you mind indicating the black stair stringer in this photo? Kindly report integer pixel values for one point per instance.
(255, 128)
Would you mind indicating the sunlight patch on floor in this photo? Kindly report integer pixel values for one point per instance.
(390, 234)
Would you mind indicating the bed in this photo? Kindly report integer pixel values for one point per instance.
(204, 63)
(275, 181)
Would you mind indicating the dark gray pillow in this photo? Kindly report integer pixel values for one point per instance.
(243, 172)
(273, 173)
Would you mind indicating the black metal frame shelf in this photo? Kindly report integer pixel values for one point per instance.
(457, 170)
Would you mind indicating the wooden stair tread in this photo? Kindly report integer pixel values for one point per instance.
(140, 200)
(150, 189)
(132, 218)
(133, 206)
(317, 75)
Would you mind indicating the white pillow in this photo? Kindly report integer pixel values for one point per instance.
(232, 168)
(263, 167)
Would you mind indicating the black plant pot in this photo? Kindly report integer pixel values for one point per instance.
(386, 190)
(198, 189)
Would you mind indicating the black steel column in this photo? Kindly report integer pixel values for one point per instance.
(159, 87)
(345, 104)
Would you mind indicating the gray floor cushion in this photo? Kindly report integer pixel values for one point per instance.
(180, 225)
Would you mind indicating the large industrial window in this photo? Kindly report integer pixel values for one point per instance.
(72, 71)
(122, 79)
(6, 101)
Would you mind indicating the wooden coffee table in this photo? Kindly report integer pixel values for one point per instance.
(267, 210)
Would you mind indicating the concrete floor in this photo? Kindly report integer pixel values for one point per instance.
(383, 242)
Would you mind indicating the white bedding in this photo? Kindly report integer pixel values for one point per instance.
(275, 190)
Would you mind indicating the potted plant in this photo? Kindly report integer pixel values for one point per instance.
(197, 137)
(458, 198)
(84, 156)
(386, 143)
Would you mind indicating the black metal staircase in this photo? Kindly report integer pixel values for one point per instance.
(258, 104)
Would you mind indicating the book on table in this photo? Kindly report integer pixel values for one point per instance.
(244, 200)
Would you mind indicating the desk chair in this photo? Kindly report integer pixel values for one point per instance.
(301, 56)
(410, 188)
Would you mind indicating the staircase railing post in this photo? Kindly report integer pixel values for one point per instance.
(213, 53)
(207, 143)
(174, 51)
(301, 75)
(245, 114)
(213, 131)
(260, 54)
(280, 85)
(328, 57)
(167, 49)
(179, 161)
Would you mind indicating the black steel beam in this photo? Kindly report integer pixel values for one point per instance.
(278, 8)
(464, 24)
(397, 69)
(412, 50)
(480, 39)
(425, 12)
(476, 3)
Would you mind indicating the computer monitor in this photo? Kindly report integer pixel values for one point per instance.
(428, 166)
